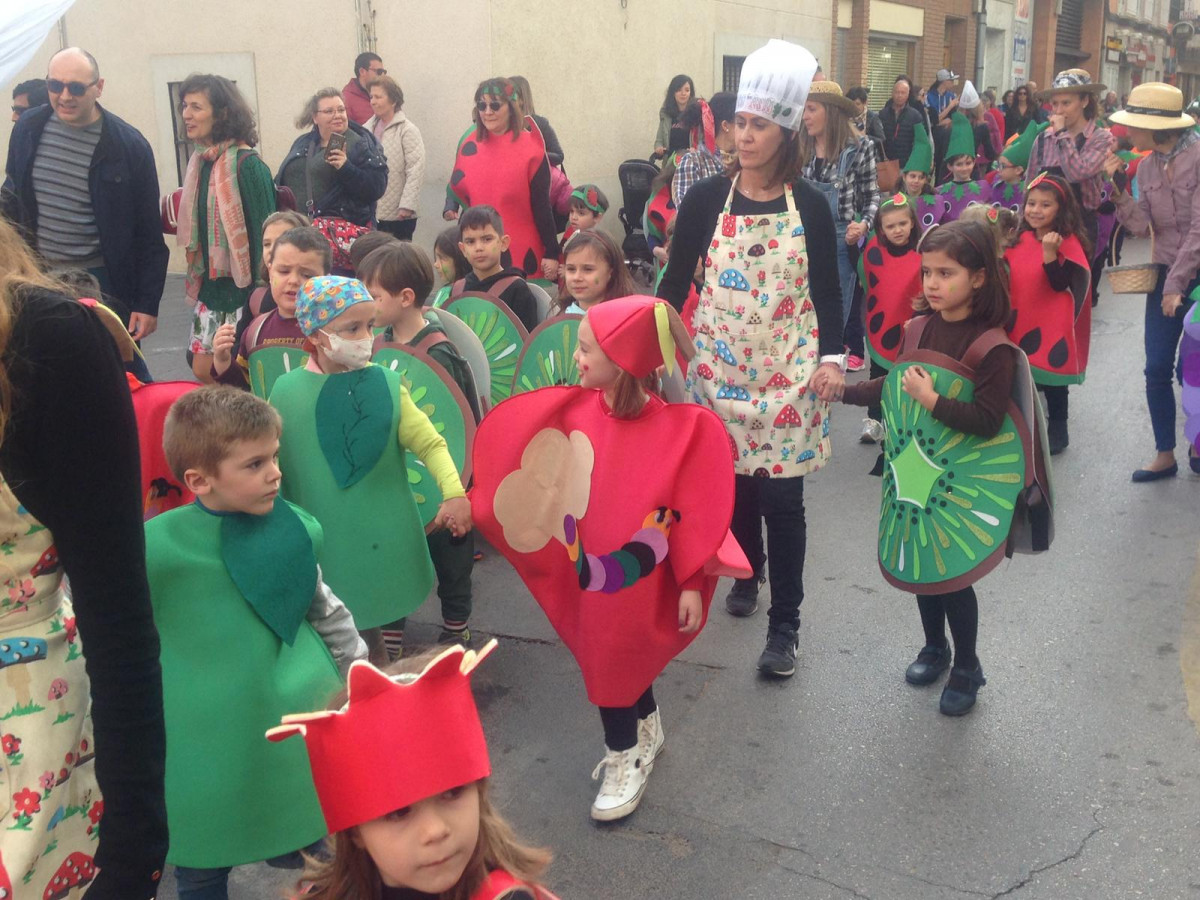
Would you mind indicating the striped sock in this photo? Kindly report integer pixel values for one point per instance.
(456, 627)
(393, 642)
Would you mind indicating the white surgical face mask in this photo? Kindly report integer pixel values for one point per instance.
(351, 354)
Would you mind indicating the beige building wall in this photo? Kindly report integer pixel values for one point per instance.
(598, 71)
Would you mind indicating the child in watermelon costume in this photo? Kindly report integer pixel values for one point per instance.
(958, 450)
(400, 276)
(297, 255)
(594, 495)
(890, 273)
(249, 631)
(1049, 275)
(409, 807)
(960, 190)
(347, 426)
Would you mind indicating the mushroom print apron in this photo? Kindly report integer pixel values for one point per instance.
(50, 805)
(757, 342)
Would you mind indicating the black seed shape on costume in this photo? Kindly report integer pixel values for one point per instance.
(643, 554)
(531, 261)
(872, 302)
(891, 338)
(1031, 342)
(457, 176)
(1057, 357)
(875, 256)
(470, 148)
(875, 322)
(873, 280)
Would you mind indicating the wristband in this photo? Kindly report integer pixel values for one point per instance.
(837, 359)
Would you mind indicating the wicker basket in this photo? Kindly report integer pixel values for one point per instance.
(1139, 278)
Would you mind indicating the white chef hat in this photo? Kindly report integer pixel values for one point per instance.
(775, 82)
(969, 98)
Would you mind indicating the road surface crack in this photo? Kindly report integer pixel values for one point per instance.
(1034, 873)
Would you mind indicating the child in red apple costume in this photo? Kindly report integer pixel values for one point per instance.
(614, 507)
(408, 806)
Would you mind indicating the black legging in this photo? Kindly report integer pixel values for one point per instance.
(621, 722)
(1056, 401)
(961, 610)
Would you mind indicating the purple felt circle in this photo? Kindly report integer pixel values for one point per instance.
(655, 540)
(1190, 400)
(596, 573)
(1191, 322)
(614, 575)
(569, 529)
(1191, 369)
(1191, 429)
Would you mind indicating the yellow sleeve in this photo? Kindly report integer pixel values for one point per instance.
(418, 435)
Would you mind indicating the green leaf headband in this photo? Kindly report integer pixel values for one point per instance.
(589, 198)
(506, 90)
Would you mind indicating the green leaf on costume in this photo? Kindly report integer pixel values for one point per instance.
(354, 423)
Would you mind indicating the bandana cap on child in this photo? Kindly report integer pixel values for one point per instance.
(324, 298)
(640, 334)
(396, 741)
(775, 82)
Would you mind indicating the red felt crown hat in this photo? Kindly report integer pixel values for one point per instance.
(640, 333)
(397, 740)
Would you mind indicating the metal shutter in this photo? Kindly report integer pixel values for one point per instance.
(1070, 25)
(731, 73)
(885, 60)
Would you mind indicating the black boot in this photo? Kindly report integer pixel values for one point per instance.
(1056, 434)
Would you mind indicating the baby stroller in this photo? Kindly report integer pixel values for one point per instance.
(635, 176)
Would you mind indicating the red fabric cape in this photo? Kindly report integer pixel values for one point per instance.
(1054, 328)
(891, 284)
(161, 491)
(676, 456)
(497, 171)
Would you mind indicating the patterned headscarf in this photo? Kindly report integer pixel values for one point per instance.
(323, 299)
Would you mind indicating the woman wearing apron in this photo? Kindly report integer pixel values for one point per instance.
(769, 328)
(70, 506)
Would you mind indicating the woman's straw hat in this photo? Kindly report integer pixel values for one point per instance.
(830, 93)
(1155, 106)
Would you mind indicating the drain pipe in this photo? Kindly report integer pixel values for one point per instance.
(980, 42)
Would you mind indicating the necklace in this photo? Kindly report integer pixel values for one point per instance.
(766, 192)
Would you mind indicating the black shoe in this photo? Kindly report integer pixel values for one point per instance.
(1141, 476)
(929, 665)
(742, 600)
(877, 469)
(959, 694)
(779, 657)
(1056, 435)
(449, 636)
(1194, 461)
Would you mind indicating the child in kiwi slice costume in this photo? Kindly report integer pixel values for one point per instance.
(955, 459)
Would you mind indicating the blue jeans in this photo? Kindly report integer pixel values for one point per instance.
(780, 502)
(1163, 366)
(202, 884)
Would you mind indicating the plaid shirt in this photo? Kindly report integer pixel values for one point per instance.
(858, 196)
(694, 166)
(1081, 159)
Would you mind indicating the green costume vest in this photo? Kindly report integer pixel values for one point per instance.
(232, 796)
(342, 460)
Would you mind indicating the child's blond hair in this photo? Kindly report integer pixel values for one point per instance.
(999, 220)
(203, 425)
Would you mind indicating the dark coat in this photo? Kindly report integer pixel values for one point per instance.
(123, 182)
(898, 130)
(357, 185)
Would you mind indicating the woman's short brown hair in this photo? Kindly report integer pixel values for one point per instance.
(390, 87)
(308, 115)
(233, 119)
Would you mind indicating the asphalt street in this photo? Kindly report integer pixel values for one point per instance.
(1077, 775)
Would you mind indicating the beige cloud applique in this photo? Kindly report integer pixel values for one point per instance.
(554, 481)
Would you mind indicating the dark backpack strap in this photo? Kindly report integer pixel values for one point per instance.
(913, 330)
(432, 340)
(458, 288)
(503, 285)
(983, 345)
(256, 300)
(256, 327)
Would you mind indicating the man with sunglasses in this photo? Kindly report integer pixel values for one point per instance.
(84, 190)
(357, 92)
(27, 95)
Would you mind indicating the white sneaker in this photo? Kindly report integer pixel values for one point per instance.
(650, 740)
(872, 432)
(624, 783)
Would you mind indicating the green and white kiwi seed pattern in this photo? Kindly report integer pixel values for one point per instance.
(948, 496)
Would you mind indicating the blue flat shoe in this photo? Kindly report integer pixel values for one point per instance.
(1143, 475)
(1194, 462)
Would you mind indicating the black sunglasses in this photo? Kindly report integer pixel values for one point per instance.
(75, 88)
(484, 105)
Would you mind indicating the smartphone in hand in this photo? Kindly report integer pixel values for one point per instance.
(337, 141)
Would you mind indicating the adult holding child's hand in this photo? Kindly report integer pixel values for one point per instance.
(502, 163)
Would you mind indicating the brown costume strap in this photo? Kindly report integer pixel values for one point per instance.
(256, 300)
(457, 288)
(460, 287)
(983, 345)
(913, 329)
(432, 340)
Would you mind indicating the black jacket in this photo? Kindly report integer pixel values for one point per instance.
(357, 185)
(898, 130)
(124, 186)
